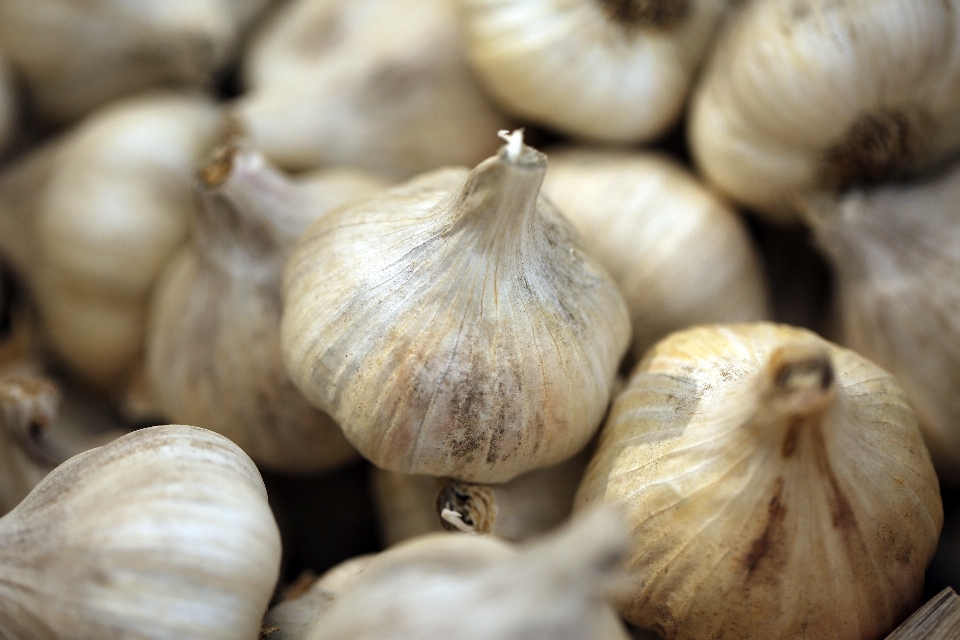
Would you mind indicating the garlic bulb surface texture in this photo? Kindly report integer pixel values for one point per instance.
(896, 256)
(777, 486)
(610, 70)
(680, 254)
(819, 93)
(162, 534)
(375, 84)
(453, 326)
(78, 54)
(213, 345)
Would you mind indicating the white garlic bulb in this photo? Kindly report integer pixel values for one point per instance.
(612, 70)
(777, 486)
(164, 533)
(818, 93)
(78, 54)
(896, 256)
(681, 255)
(8, 103)
(375, 84)
(222, 291)
(453, 326)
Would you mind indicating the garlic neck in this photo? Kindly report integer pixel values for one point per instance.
(663, 14)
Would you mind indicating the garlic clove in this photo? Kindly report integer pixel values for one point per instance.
(757, 460)
(365, 83)
(679, 253)
(818, 93)
(163, 533)
(606, 70)
(452, 326)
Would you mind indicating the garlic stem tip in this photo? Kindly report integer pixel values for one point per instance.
(514, 142)
(456, 520)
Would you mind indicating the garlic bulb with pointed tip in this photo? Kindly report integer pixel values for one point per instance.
(680, 254)
(213, 343)
(375, 84)
(777, 486)
(804, 94)
(611, 70)
(453, 326)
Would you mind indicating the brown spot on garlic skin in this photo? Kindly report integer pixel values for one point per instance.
(664, 14)
(220, 166)
(877, 147)
(771, 541)
(473, 506)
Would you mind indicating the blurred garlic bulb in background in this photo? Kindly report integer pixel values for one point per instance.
(76, 55)
(375, 84)
(453, 326)
(91, 219)
(817, 93)
(8, 103)
(896, 256)
(680, 255)
(612, 70)
(164, 533)
(777, 486)
(213, 344)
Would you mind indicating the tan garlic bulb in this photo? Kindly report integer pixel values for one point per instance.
(680, 254)
(8, 103)
(164, 533)
(78, 54)
(375, 84)
(803, 94)
(896, 256)
(777, 486)
(213, 343)
(608, 70)
(453, 326)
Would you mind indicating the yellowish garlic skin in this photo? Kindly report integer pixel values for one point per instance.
(803, 94)
(374, 84)
(606, 70)
(680, 255)
(164, 533)
(453, 327)
(777, 486)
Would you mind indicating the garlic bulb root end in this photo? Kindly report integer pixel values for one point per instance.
(466, 507)
(802, 378)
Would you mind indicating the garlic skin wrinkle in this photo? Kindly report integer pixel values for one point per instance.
(452, 326)
(162, 534)
(374, 84)
(776, 486)
(213, 346)
(680, 254)
(604, 70)
(805, 94)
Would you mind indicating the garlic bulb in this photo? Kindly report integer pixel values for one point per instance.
(367, 83)
(680, 254)
(91, 219)
(78, 54)
(818, 93)
(777, 486)
(611, 70)
(453, 326)
(447, 586)
(164, 533)
(896, 256)
(223, 290)
(8, 103)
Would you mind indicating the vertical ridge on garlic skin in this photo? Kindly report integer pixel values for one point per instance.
(453, 327)
(756, 461)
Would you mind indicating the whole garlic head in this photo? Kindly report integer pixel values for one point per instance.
(680, 254)
(164, 533)
(777, 486)
(803, 94)
(375, 84)
(610, 70)
(453, 326)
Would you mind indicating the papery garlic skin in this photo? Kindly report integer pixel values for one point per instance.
(606, 70)
(162, 534)
(680, 254)
(777, 486)
(213, 346)
(817, 93)
(374, 84)
(76, 55)
(8, 103)
(453, 326)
